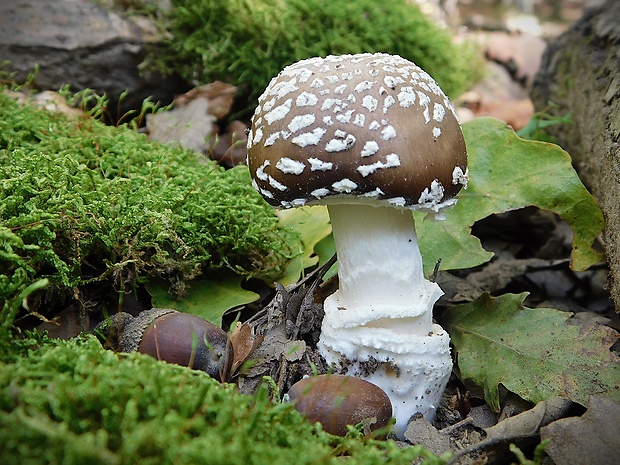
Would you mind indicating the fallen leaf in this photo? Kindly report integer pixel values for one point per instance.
(244, 343)
(312, 223)
(532, 352)
(508, 173)
(591, 439)
(520, 427)
(207, 298)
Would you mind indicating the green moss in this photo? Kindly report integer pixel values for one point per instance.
(82, 202)
(71, 402)
(246, 42)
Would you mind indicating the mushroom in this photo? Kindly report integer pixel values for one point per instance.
(372, 136)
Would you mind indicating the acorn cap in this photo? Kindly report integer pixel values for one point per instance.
(367, 128)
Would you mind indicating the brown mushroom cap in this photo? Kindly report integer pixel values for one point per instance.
(356, 128)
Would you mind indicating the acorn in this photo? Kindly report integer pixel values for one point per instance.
(174, 337)
(337, 401)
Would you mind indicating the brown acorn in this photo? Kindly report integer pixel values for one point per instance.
(174, 337)
(337, 401)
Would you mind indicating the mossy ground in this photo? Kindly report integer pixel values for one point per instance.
(246, 43)
(86, 207)
(72, 402)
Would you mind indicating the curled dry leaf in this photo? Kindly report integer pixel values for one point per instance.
(520, 427)
(593, 437)
(244, 343)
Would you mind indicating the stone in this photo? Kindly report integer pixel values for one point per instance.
(85, 45)
(580, 74)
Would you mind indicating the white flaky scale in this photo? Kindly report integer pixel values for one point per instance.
(380, 139)
(391, 161)
(288, 166)
(320, 165)
(370, 148)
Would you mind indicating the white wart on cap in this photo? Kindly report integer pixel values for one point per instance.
(371, 128)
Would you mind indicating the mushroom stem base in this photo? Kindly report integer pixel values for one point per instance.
(413, 370)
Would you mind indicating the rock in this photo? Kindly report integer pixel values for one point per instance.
(420, 431)
(85, 45)
(191, 122)
(580, 73)
(188, 125)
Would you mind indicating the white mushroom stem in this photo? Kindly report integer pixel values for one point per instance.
(378, 325)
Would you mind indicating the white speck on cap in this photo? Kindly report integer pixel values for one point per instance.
(388, 132)
(458, 177)
(359, 120)
(344, 186)
(258, 135)
(289, 166)
(306, 99)
(387, 103)
(309, 138)
(275, 183)
(433, 196)
(340, 144)
(374, 194)
(272, 138)
(266, 193)
(333, 103)
(406, 97)
(260, 171)
(391, 161)
(317, 82)
(374, 125)
(436, 132)
(397, 201)
(301, 121)
(370, 148)
(279, 112)
(364, 86)
(320, 165)
(283, 88)
(319, 193)
(370, 103)
(393, 81)
(345, 117)
(438, 112)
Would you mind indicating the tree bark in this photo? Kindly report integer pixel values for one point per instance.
(580, 74)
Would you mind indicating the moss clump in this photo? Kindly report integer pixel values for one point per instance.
(82, 202)
(72, 402)
(246, 42)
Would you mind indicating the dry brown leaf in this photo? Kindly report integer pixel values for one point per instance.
(244, 343)
(591, 439)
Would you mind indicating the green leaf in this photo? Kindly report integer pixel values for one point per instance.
(312, 224)
(533, 352)
(508, 173)
(208, 298)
